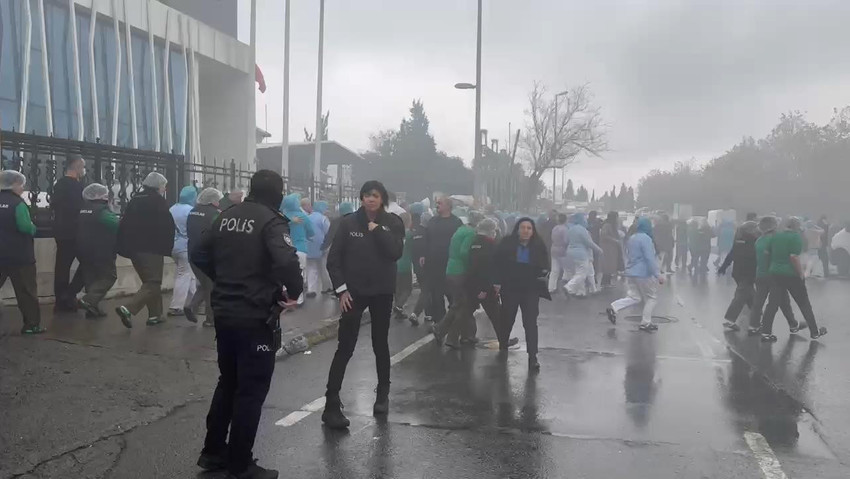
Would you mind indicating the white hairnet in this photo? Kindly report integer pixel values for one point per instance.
(95, 191)
(10, 178)
(154, 180)
(209, 196)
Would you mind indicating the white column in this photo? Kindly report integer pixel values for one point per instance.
(184, 122)
(317, 159)
(72, 18)
(284, 149)
(154, 96)
(131, 77)
(45, 72)
(25, 83)
(166, 82)
(196, 103)
(116, 103)
(93, 71)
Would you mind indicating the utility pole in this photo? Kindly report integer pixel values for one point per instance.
(477, 161)
(317, 160)
(284, 142)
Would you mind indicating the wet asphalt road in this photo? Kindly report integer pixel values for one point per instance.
(609, 401)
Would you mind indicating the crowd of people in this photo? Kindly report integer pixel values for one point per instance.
(248, 260)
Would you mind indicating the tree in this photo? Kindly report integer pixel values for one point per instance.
(615, 205)
(581, 194)
(593, 196)
(556, 142)
(570, 194)
(308, 137)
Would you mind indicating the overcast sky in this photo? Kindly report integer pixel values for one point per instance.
(676, 79)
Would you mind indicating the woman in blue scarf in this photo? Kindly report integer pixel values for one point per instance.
(580, 251)
(643, 275)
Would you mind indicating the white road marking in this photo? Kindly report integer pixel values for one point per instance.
(769, 464)
(318, 404)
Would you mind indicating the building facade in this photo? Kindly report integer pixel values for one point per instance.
(139, 74)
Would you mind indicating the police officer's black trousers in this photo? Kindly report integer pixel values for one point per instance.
(380, 308)
(100, 276)
(246, 358)
(64, 288)
(744, 293)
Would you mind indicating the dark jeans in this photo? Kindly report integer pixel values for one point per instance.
(744, 293)
(149, 268)
(456, 323)
(100, 276)
(761, 295)
(26, 291)
(380, 308)
(438, 292)
(796, 287)
(682, 255)
(64, 288)
(403, 288)
(699, 260)
(203, 294)
(667, 265)
(493, 309)
(823, 253)
(529, 302)
(246, 358)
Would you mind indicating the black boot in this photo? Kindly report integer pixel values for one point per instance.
(382, 400)
(333, 416)
(533, 364)
(253, 471)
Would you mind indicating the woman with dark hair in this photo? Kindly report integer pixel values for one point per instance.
(612, 247)
(362, 266)
(522, 264)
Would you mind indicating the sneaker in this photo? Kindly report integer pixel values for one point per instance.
(437, 337)
(253, 471)
(821, 332)
(382, 401)
(125, 316)
(175, 312)
(33, 330)
(513, 342)
(208, 324)
(612, 315)
(190, 315)
(414, 320)
(211, 462)
(753, 331)
(311, 294)
(648, 328)
(333, 416)
(97, 315)
(154, 320)
(731, 326)
(470, 341)
(428, 319)
(795, 329)
(768, 338)
(90, 308)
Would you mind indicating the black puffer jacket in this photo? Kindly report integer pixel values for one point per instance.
(147, 226)
(362, 261)
(743, 253)
(513, 275)
(480, 272)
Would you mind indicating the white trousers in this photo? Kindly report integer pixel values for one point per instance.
(640, 290)
(583, 281)
(318, 279)
(812, 263)
(184, 282)
(557, 272)
(302, 261)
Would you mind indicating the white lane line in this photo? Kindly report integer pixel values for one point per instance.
(769, 464)
(318, 404)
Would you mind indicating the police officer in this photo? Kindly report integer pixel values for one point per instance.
(249, 256)
(362, 266)
(17, 251)
(200, 219)
(97, 235)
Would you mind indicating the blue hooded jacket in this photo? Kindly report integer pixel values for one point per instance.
(580, 245)
(320, 224)
(180, 213)
(300, 232)
(641, 261)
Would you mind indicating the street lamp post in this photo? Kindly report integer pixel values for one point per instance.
(317, 160)
(477, 88)
(284, 147)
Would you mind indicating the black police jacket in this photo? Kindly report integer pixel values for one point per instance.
(479, 273)
(16, 248)
(419, 248)
(250, 257)
(362, 261)
(66, 203)
(200, 219)
(96, 241)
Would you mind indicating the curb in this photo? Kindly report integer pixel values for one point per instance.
(305, 341)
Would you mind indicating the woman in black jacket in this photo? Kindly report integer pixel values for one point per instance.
(522, 264)
(362, 267)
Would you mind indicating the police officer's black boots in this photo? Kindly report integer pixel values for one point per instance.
(333, 416)
(255, 472)
(382, 400)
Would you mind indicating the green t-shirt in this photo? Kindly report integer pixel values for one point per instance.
(782, 246)
(404, 264)
(763, 255)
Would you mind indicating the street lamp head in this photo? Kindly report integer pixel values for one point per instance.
(562, 93)
(464, 86)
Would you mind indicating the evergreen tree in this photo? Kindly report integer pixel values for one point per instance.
(570, 194)
(581, 194)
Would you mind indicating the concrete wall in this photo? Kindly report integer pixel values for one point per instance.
(219, 14)
(45, 256)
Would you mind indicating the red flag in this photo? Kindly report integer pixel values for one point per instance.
(260, 79)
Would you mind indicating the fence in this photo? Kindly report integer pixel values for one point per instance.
(41, 159)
